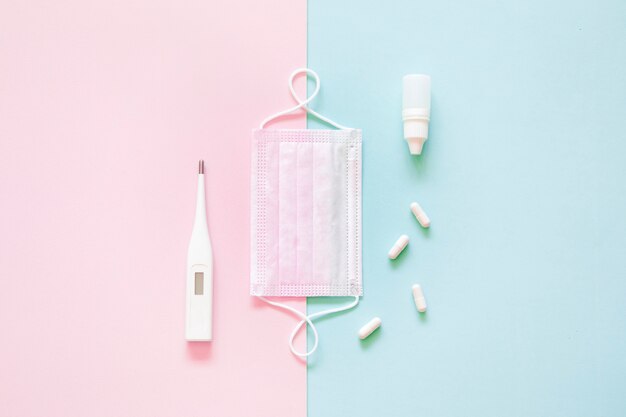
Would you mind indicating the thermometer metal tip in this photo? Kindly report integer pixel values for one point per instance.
(201, 167)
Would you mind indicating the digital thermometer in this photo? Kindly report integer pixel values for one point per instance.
(199, 326)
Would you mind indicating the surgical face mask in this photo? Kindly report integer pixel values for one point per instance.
(306, 213)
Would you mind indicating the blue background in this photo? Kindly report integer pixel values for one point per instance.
(524, 179)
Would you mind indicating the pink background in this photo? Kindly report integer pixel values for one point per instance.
(105, 108)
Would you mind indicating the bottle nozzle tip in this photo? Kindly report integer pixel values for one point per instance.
(416, 145)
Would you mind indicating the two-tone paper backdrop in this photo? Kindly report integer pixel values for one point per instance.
(105, 108)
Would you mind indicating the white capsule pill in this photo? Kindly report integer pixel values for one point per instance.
(420, 215)
(398, 246)
(418, 297)
(369, 328)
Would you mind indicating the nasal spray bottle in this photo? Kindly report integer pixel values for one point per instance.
(416, 110)
(199, 326)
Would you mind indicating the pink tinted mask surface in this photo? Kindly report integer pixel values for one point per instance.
(306, 213)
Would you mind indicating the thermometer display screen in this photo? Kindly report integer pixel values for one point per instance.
(199, 283)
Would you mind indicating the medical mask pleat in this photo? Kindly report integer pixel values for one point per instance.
(342, 259)
(287, 213)
(304, 234)
(270, 215)
(322, 216)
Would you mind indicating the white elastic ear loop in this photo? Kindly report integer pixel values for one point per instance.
(316, 315)
(307, 319)
(303, 103)
(304, 318)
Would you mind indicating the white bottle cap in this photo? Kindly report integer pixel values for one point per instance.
(416, 110)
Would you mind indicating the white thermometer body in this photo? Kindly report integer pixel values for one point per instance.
(199, 321)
